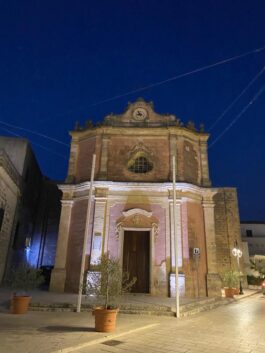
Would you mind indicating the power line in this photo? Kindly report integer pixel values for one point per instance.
(173, 78)
(33, 143)
(143, 89)
(238, 116)
(159, 83)
(237, 98)
(34, 132)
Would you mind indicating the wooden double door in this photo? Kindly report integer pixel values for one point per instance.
(136, 258)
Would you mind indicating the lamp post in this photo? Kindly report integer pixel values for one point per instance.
(238, 253)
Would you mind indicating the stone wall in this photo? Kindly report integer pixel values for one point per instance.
(227, 228)
(86, 149)
(9, 194)
(121, 149)
(190, 162)
(114, 150)
(194, 268)
(75, 244)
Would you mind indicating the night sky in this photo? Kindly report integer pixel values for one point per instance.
(60, 60)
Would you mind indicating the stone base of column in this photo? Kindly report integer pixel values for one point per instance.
(181, 284)
(214, 285)
(57, 282)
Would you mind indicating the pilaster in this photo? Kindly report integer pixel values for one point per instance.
(99, 226)
(213, 278)
(173, 152)
(178, 234)
(59, 272)
(204, 164)
(72, 162)
(104, 158)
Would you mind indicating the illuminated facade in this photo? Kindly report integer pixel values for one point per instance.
(132, 209)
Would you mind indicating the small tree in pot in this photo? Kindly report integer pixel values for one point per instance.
(107, 284)
(23, 279)
(230, 280)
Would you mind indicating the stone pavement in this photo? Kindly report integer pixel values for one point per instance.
(235, 328)
(238, 327)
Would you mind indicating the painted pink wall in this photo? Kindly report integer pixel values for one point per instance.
(185, 235)
(158, 212)
(113, 242)
(160, 244)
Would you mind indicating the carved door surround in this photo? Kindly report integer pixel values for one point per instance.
(137, 219)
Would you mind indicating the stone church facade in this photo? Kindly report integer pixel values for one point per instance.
(132, 205)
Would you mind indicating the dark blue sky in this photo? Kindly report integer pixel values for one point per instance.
(58, 58)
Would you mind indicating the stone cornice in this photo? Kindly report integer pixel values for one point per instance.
(152, 190)
(139, 131)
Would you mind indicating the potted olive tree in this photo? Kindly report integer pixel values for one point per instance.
(107, 283)
(23, 279)
(230, 280)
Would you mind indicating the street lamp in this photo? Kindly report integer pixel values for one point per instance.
(238, 253)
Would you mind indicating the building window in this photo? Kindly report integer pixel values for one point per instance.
(140, 164)
(249, 233)
(2, 212)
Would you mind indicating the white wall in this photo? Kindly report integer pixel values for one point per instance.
(258, 229)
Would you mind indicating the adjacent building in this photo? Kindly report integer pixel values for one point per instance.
(132, 205)
(253, 233)
(29, 208)
(9, 195)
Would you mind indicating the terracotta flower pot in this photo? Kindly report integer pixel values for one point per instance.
(229, 292)
(236, 291)
(105, 319)
(19, 304)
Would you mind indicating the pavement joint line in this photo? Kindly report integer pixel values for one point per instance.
(105, 338)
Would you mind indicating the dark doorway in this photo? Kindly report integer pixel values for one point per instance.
(136, 255)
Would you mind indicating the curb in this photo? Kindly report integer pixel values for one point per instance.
(103, 339)
(239, 297)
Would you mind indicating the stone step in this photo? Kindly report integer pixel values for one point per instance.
(187, 311)
(139, 309)
(145, 307)
(148, 312)
(206, 301)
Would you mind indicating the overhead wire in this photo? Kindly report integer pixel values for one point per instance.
(34, 143)
(237, 98)
(34, 132)
(173, 78)
(159, 83)
(203, 68)
(256, 96)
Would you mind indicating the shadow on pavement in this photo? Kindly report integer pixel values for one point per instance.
(66, 329)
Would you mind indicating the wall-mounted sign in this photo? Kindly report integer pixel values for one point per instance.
(196, 251)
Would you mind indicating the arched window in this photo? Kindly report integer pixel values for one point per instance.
(140, 164)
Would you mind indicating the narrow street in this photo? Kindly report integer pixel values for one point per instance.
(235, 328)
(232, 328)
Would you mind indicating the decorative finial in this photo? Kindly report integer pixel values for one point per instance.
(89, 124)
(191, 125)
(202, 127)
(77, 125)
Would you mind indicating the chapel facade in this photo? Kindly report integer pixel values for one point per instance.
(132, 205)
